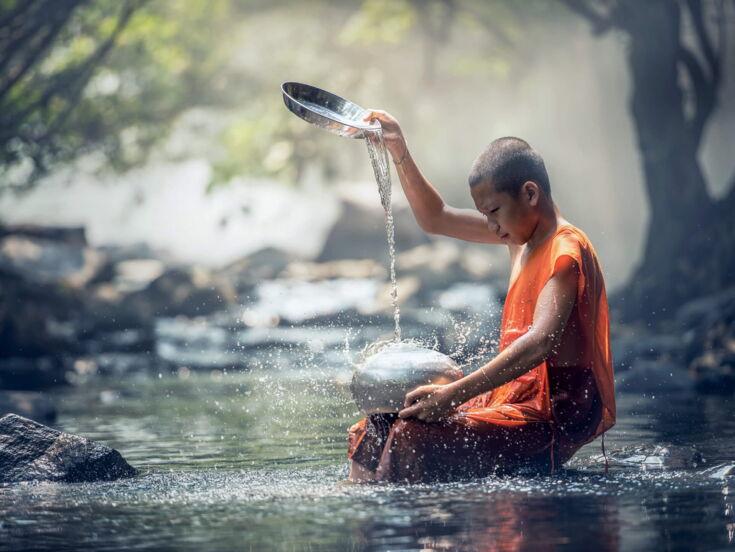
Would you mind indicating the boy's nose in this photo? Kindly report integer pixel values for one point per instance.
(493, 226)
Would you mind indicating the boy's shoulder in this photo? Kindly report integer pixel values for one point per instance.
(571, 233)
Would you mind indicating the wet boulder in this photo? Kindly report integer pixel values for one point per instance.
(263, 264)
(443, 263)
(36, 319)
(73, 235)
(44, 261)
(714, 371)
(182, 291)
(359, 233)
(709, 337)
(30, 451)
(666, 456)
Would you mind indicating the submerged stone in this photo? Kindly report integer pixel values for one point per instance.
(30, 451)
(658, 457)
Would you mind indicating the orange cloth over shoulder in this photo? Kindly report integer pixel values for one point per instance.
(586, 337)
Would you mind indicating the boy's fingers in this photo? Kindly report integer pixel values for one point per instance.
(409, 412)
(374, 114)
(414, 395)
(410, 398)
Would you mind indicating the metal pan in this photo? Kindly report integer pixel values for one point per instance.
(326, 110)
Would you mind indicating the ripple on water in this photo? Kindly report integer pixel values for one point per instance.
(218, 486)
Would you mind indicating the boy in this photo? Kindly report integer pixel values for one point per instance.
(550, 389)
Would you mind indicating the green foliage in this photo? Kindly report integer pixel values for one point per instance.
(117, 74)
(387, 21)
(115, 78)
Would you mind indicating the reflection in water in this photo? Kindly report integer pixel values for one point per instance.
(508, 522)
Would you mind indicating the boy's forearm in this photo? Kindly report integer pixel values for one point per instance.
(524, 354)
(426, 203)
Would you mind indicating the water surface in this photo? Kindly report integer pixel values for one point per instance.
(254, 460)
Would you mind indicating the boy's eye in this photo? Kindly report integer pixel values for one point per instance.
(495, 209)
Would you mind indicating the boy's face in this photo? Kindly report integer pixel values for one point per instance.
(513, 219)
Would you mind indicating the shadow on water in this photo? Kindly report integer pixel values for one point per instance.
(255, 459)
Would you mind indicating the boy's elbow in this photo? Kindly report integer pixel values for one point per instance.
(543, 345)
(432, 224)
(429, 226)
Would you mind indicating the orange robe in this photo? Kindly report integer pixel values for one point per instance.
(541, 417)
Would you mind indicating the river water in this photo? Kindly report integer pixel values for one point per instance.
(254, 459)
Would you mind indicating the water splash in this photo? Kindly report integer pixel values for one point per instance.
(381, 168)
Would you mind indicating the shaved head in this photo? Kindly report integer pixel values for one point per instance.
(507, 163)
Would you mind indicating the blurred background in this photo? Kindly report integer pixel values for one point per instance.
(149, 167)
(188, 271)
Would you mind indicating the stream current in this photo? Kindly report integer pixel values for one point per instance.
(255, 460)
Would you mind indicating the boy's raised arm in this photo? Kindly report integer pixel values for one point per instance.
(434, 402)
(432, 214)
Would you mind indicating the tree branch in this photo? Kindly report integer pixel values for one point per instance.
(86, 70)
(705, 41)
(705, 93)
(20, 8)
(43, 46)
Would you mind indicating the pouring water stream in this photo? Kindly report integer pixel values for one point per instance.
(381, 168)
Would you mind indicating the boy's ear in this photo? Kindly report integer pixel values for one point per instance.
(531, 191)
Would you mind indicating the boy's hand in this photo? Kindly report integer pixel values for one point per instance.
(430, 403)
(392, 133)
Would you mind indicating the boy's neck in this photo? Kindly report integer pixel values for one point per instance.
(549, 220)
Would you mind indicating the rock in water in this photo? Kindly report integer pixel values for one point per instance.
(380, 383)
(30, 451)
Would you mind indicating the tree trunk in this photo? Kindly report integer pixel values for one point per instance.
(689, 246)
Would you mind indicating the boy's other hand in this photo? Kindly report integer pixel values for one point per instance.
(392, 133)
(429, 403)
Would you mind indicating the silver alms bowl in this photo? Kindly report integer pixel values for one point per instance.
(326, 110)
(381, 382)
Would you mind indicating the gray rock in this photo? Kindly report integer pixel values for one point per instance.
(30, 404)
(714, 372)
(44, 261)
(658, 457)
(32, 315)
(359, 233)
(182, 291)
(264, 264)
(73, 235)
(706, 310)
(442, 263)
(709, 325)
(30, 451)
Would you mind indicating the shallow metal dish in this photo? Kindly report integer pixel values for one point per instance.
(380, 383)
(326, 110)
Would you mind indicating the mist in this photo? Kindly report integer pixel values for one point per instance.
(563, 90)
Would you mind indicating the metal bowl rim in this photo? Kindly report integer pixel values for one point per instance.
(376, 126)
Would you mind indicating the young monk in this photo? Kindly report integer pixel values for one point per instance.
(550, 389)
